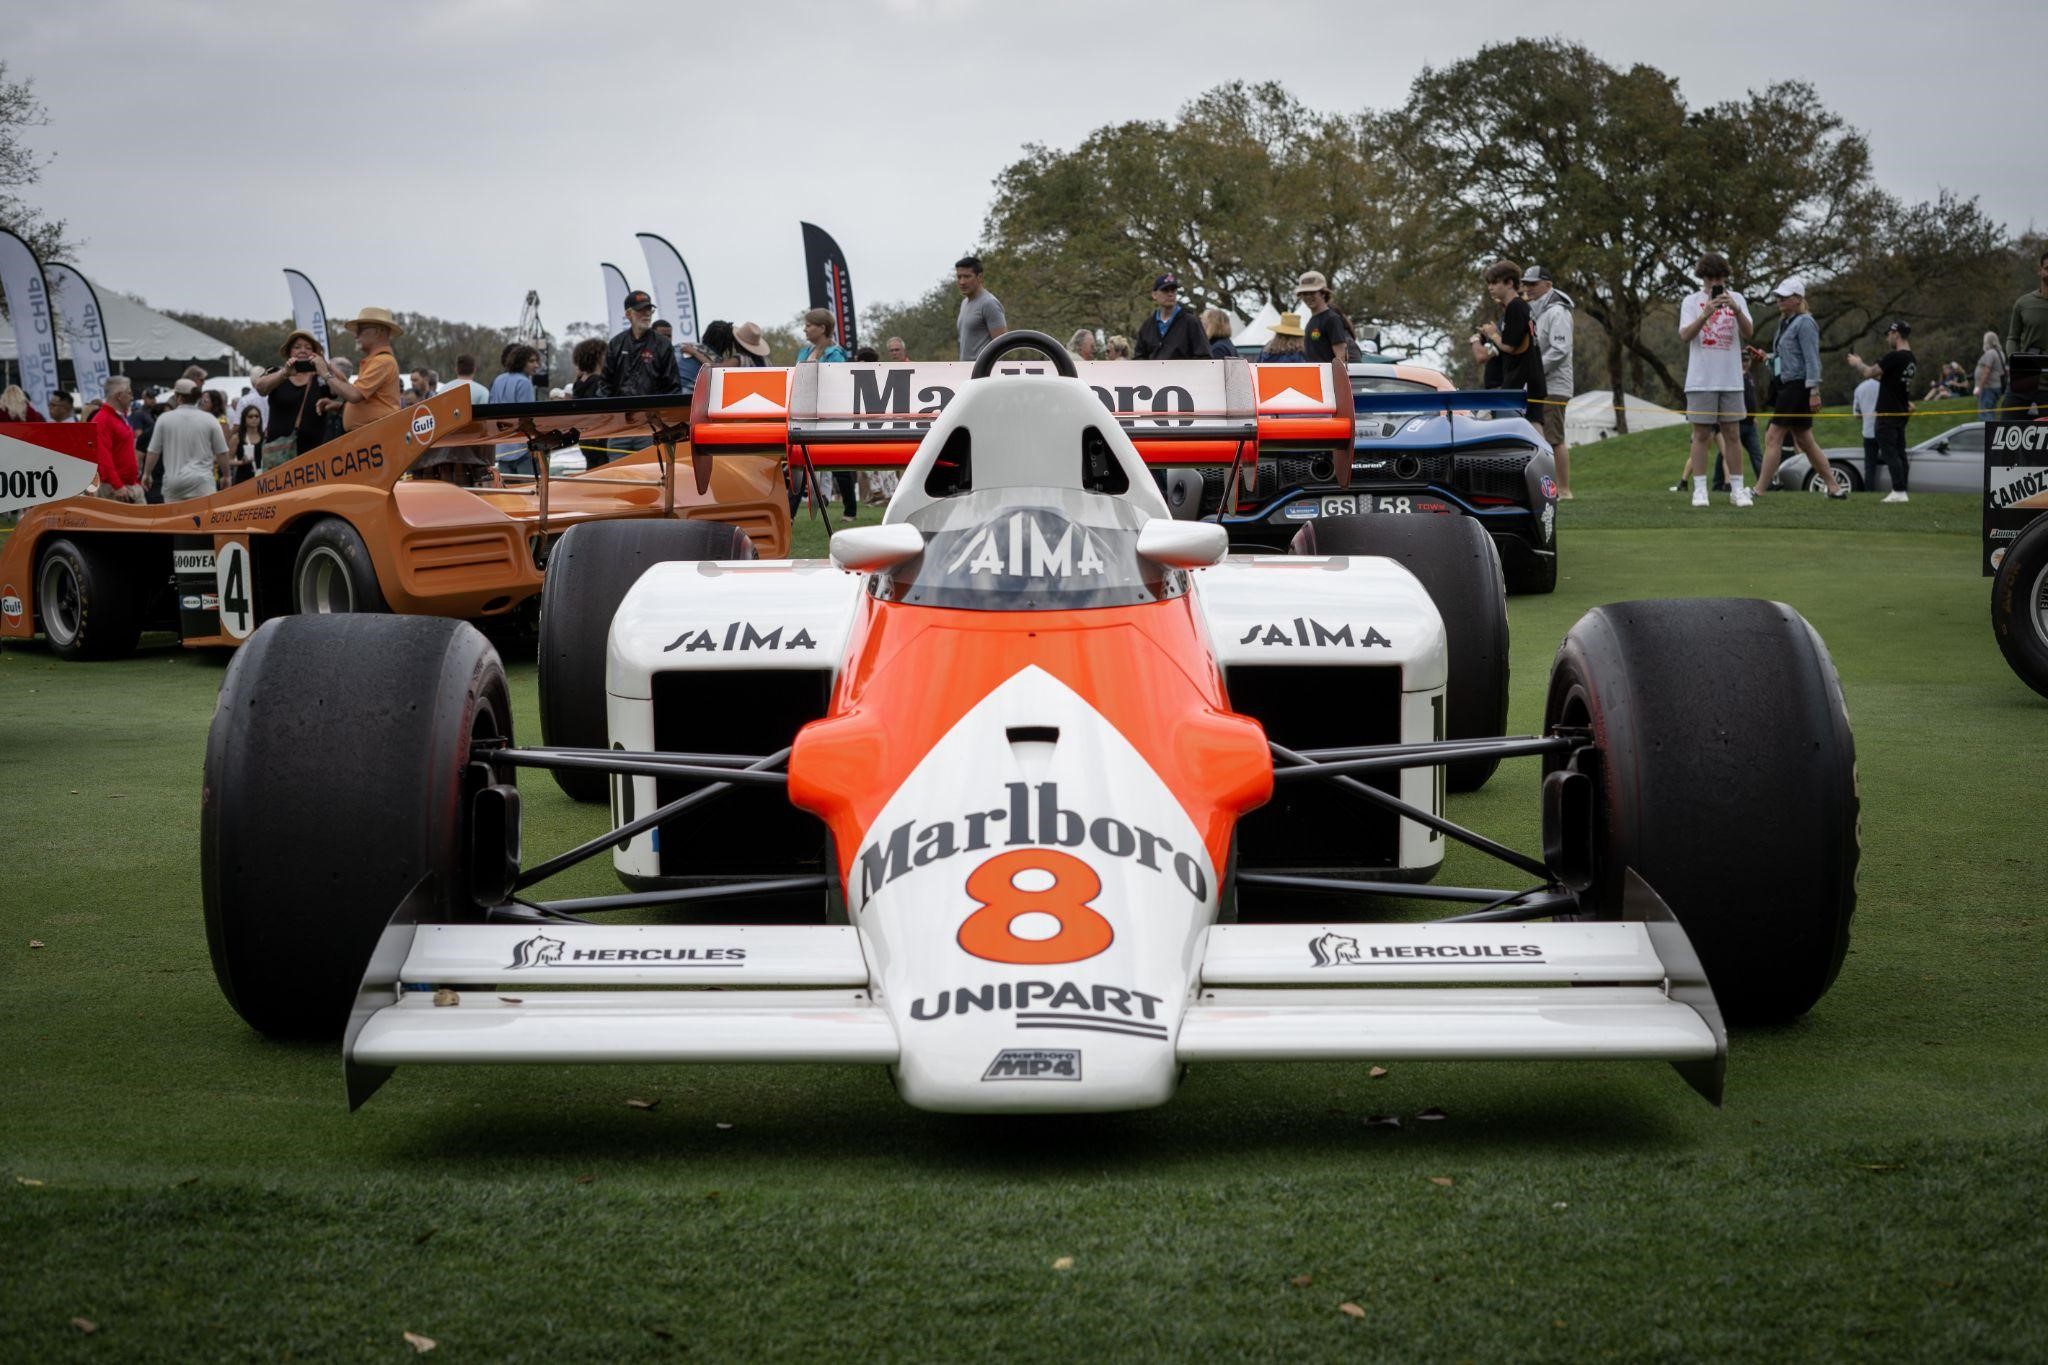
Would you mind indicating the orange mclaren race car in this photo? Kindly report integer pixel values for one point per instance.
(341, 529)
(1039, 796)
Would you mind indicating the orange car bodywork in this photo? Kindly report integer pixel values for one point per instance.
(438, 549)
(912, 671)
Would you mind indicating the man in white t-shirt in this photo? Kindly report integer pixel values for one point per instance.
(192, 446)
(1863, 404)
(1713, 322)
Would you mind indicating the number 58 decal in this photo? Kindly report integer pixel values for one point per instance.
(1035, 889)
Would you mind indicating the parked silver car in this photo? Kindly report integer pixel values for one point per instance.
(1952, 462)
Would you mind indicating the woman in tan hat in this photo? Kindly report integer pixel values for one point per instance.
(1285, 343)
(373, 393)
(294, 392)
(747, 336)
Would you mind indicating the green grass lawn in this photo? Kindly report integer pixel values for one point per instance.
(1873, 1189)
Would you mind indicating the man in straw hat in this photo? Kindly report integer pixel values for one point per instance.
(373, 393)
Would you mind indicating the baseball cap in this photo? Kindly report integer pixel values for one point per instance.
(1311, 282)
(639, 298)
(1901, 326)
(1167, 281)
(1794, 287)
(1535, 273)
(184, 388)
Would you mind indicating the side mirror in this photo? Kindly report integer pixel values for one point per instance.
(1942, 445)
(1183, 544)
(868, 549)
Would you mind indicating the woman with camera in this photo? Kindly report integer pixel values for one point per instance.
(294, 390)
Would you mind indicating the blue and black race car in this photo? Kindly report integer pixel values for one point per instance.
(1421, 447)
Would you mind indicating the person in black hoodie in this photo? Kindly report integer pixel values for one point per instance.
(1172, 332)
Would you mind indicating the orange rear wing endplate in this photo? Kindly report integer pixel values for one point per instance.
(872, 415)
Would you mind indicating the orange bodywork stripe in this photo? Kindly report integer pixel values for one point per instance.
(911, 673)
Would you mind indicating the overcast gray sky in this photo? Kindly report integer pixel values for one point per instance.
(447, 155)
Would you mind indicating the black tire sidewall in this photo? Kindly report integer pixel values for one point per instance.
(589, 572)
(2019, 574)
(336, 778)
(109, 616)
(1727, 780)
(1456, 561)
(346, 543)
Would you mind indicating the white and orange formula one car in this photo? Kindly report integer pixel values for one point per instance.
(1036, 798)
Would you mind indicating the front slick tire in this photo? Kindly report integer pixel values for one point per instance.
(1725, 774)
(2019, 606)
(589, 573)
(1455, 561)
(337, 776)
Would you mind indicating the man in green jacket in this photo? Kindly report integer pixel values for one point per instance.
(2027, 331)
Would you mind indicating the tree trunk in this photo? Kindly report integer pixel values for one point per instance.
(1614, 378)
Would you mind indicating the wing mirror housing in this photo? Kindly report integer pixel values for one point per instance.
(1942, 445)
(870, 549)
(1183, 544)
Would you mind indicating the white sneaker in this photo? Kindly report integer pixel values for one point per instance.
(1699, 497)
(1895, 496)
(1741, 497)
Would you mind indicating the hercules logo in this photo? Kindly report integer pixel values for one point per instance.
(538, 951)
(1334, 950)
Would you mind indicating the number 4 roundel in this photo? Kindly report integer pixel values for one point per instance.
(236, 586)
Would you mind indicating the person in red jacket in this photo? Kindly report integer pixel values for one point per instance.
(118, 477)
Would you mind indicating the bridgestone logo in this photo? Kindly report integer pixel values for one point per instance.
(1035, 1064)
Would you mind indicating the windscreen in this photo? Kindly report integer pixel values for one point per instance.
(1029, 549)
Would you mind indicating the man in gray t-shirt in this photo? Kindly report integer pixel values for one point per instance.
(981, 313)
(191, 444)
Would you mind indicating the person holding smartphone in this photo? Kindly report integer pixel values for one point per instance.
(1713, 322)
(293, 390)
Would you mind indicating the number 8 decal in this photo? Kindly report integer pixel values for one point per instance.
(990, 933)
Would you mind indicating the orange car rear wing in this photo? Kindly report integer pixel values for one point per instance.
(873, 414)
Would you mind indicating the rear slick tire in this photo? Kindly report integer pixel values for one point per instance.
(2019, 606)
(1725, 774)
(338, 775)
(1456, 562)
(332, 574)
(589, 573)
(88, 600)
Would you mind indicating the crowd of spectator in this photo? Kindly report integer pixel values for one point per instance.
(191, 440)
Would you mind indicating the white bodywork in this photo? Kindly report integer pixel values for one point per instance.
(903, 983)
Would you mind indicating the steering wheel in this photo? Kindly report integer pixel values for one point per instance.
(1023, 341)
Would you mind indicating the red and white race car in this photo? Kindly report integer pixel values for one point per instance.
(1031, 794)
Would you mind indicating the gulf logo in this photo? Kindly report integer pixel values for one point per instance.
(422, 424)
(10, 604)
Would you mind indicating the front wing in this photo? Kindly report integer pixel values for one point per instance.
(549, 992)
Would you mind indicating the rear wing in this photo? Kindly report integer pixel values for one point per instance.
(1443, 400)
(1449, 402)
(872, 415)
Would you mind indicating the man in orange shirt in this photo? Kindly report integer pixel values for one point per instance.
(373, 393)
